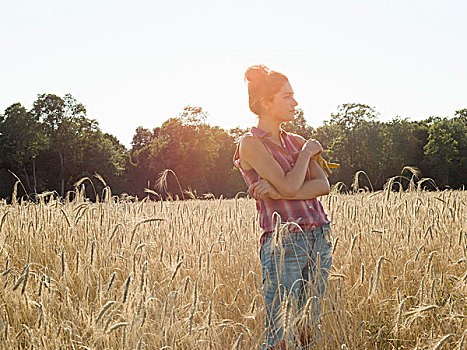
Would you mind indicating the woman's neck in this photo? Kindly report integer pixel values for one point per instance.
(268, 126)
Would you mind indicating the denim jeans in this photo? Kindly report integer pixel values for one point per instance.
(291, 276)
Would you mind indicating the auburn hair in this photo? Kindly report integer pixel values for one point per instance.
(263, 84)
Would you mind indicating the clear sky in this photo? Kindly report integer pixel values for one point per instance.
(138, 63)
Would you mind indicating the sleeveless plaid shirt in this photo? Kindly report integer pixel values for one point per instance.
(307, 213)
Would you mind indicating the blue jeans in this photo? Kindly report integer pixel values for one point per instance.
(289, 265)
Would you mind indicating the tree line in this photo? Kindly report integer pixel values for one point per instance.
(54, 144)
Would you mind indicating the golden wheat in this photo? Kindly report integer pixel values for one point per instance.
(129, 273)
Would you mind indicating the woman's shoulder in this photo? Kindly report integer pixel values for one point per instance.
(246, 146)
(248, 141)
(251, 147)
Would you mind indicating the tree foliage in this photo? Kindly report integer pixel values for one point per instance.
(299, 125)
(199, 155)
(54, 144)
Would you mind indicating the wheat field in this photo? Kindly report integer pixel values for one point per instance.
(151, 274)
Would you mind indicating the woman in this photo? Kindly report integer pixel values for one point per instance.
(284, 178)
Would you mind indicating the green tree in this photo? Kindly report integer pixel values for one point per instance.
(461, 113)
(22, 140)
(352, 138)
(446, 149)
(186, 146)
(77, 147)
(199, 155)
(460, 133)
(441, 149)
(63, 120)
(299, 125)
(138, 169)
(224, 178)
(102, 154)
(237, 133)
(403, 143)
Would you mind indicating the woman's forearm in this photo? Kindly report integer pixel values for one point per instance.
(295, 178)
(315, 187)
(311, 189)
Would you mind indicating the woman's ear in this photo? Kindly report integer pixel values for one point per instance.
(265, 104)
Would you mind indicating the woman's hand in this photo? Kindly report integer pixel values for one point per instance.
(262, 189)
(313, 147)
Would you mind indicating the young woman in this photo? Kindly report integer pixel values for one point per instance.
(285, 180)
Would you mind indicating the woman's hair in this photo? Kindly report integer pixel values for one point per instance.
(263, 84)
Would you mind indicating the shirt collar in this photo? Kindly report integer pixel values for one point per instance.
(261, 133)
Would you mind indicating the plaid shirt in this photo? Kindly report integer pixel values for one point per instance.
(307, 213)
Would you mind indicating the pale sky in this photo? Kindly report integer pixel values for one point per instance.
(138, 63)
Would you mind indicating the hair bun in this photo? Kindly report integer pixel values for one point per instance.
(257, 74)
(263, 83)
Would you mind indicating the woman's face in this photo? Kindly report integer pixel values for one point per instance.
(282, 106)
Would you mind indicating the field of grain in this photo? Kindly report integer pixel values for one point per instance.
(121, 274)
